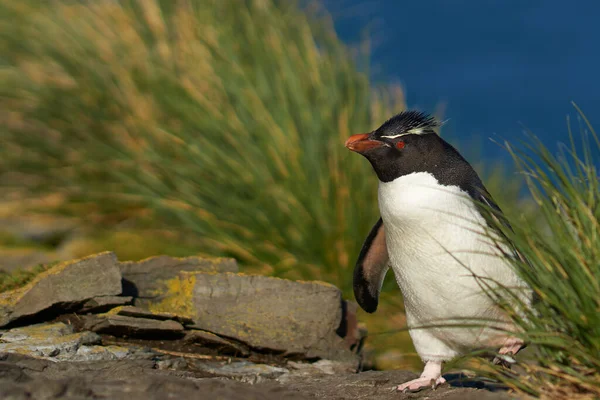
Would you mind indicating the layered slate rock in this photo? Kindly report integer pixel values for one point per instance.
(138, 312)
(266, 313)
(67, 286)
(120, 325)
(56, 341)
(147, 280)
(104, 303)
(129, 321)
(212, 341)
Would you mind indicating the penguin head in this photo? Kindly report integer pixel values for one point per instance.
(404, 144)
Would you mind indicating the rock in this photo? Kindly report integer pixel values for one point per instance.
(327, 367)
(210, 340)
(100, 353)
(233, 313)
(294, 318)
(107, 353)
(142, 313)
(119, 325)
(27, 378)
(378, 385)
(55, 341)
(104, 303)
(38, 332)
(122, 380)
(243, 371)
(146, 279)
(176, 364)
(21, 258)
(67, 285)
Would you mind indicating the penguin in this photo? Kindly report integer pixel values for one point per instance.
(433, 233)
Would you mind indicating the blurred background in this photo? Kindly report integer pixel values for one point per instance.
(493, 67)
(216, 127)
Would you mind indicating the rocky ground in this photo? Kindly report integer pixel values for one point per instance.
(167, 377)
(185, 327)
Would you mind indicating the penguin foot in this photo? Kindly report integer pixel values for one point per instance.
(431, 377)
(421, 383)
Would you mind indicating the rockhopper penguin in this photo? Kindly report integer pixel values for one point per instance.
(431, 233)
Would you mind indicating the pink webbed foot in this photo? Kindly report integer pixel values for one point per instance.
(421, 383)
(431, 377)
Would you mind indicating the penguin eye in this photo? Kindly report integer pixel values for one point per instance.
(400, 145)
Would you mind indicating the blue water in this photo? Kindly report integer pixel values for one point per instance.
(497, 65)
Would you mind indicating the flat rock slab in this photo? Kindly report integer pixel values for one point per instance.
(146, 279)
(263, 312)
(66, 285)
(104, 303)
(210, 340)
(39, 332)
(120, 325)
(130, 311)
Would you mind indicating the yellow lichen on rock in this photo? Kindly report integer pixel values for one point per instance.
(214, 263)
(176, 296)
(113, 311)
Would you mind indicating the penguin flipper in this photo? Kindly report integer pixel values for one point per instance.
(371, 267)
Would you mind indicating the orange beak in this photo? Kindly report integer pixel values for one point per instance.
(361, 143)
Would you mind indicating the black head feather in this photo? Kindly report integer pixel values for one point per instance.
(406, 122)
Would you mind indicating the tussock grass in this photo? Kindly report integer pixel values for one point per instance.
(228, 118)
(563, 269)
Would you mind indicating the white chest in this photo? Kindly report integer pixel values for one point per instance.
(423, 217)
(436, 244)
